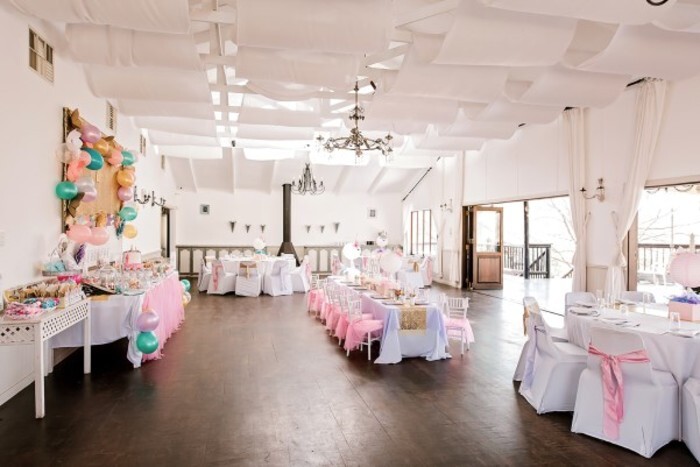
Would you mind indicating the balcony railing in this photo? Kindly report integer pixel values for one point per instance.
(540, 260)
(653, 259)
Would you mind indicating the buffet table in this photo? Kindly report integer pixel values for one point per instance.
(114, 317)
(668, 352)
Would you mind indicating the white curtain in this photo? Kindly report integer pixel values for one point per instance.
(574, 134)
(649, 113)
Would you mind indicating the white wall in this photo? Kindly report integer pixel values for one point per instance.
(30, 213)
(256, 208)
(442, 184)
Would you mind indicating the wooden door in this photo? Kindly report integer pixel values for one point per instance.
(487, 247)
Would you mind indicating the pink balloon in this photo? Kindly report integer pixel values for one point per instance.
(685, 269)
(125, 193)
(79, 233)
(147, 321)
(99, 236)
(89, 194)
(115, 157)
(84, 158)
(90, 133)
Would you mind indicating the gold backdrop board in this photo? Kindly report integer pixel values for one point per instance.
(105, 179)
(106, 184)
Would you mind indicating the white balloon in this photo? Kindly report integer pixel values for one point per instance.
(390, 262)
(351, 251)
(258, 243)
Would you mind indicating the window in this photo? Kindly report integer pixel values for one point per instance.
(40, 56)
(111, 117)
(423, 234)
(142, 145)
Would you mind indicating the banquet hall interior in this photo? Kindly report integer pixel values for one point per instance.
(350, 232)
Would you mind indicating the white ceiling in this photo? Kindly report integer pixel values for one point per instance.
(269, 75)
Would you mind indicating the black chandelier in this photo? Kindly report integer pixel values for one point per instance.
(357, 142)
(307, 183)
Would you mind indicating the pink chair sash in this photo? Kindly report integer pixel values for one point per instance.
(613, 386)
(215, 273)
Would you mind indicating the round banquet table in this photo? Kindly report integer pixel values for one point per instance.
(678, 355)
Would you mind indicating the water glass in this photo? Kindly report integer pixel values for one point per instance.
(625, 310)
(674, 321)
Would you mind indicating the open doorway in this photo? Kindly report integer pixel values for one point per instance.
(668, 221)
(165, 233)
(536, 248)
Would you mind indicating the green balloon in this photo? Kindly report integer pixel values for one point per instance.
(186, 285)
(66, 190)
(128, 158)
(128, 213)
(96, 159)
(147, 342)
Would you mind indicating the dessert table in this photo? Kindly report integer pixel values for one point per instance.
(114, 317)
(668, 352)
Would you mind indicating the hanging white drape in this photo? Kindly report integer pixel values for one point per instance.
(574, 135)
(649, 113)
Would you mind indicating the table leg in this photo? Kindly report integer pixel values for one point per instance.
(38, 372)
(87, 343)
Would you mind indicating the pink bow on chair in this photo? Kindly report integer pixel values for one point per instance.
(429, 269)
(613, 386)
(215, 272)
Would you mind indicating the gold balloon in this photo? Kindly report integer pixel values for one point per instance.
(126, 178)
(102, 146)
(185, 300)
(130, 231)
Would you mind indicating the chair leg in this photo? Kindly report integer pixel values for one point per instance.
(369, 346)
(461, 335)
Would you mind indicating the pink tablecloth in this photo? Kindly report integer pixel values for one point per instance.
(166, 300)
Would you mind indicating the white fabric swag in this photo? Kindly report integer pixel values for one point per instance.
(575, 137)
(649, 112)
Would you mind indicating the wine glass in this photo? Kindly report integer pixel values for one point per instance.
(674, 321)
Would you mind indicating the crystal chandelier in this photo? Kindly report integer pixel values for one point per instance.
(357, 142)
(307, 183)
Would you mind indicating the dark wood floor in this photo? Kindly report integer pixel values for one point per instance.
(258, 382)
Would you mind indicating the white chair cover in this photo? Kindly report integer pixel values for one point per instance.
(637, 296)
(204, 277)
(649, 397)
(426, 270)
(691, 416)
(249, 282)
(576, 298)
(551, 375)
(221, 282)
(279, 281)
(301, 276)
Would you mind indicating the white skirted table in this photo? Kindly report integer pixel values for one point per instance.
(678, 355)
(36, 331)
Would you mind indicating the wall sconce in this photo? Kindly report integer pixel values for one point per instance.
(262, 228)
(446, 206)
(599, 192)
(145, 197)
(247, 228)
(322, 227)
(233, 225)
(308, 228)
(336, 225)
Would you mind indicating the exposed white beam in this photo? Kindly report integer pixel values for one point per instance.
(275, 166)
(237, 88)
(194, 176)
(214, 16)
(342, 179)
(216, 59)
(228, 152)
(377, 181)
(427, 11)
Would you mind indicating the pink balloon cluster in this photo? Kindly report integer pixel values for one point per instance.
(84, 234)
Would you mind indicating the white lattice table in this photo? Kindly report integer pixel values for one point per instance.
(38, 330)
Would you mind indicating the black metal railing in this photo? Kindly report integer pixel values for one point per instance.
(540, 260)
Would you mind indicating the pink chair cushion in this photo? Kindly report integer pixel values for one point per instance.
(457, 324)
(357, 330)
(367, 316)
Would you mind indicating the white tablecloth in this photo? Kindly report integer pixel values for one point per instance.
(112, 319)
(394, 344)
(678, 355)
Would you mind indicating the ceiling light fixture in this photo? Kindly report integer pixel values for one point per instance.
(656, 2)
(307, 183)
(357, 142)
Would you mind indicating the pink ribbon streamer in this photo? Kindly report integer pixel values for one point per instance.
(215, 273)
(613, 386)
